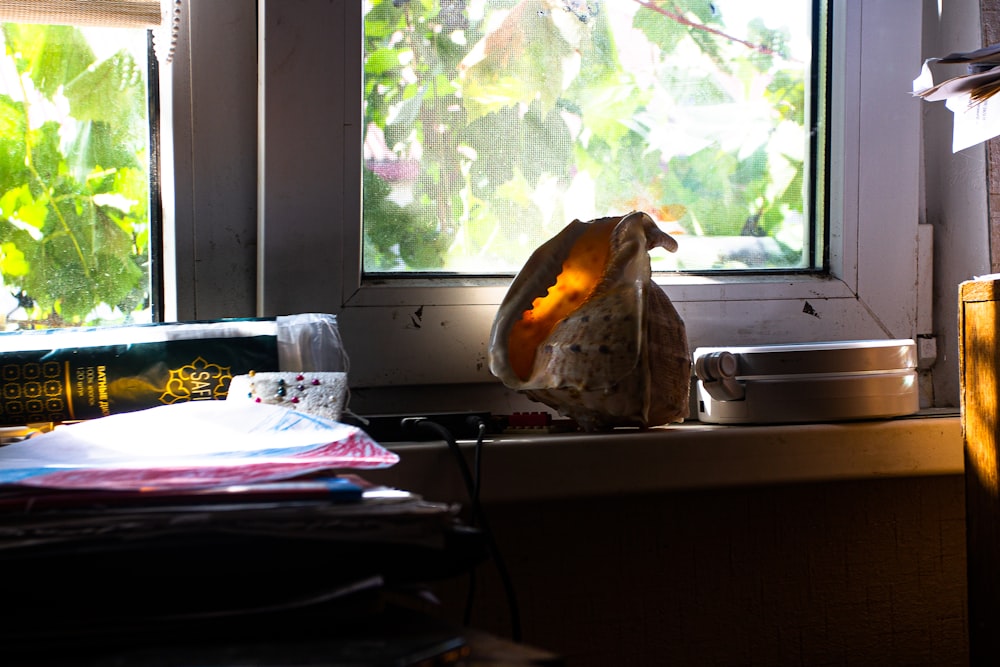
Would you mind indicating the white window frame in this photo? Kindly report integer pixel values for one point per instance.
(423, 332)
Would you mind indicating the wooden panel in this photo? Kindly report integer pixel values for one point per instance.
(844, 573)
(979, 362)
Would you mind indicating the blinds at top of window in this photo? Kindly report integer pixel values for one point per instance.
(163, 16)
(105, 13)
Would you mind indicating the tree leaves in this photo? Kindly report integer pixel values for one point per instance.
(73, 189)
(535, 143)
(49, 55)
(512, 106)
(521, 60)
(401, 235)
(13, 144)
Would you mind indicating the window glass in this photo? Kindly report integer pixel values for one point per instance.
(74, 176)
(490, 124)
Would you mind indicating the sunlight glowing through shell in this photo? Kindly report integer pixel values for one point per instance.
(586, 331)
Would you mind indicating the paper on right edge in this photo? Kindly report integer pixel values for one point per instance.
(973, 123)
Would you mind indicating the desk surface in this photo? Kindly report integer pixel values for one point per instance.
(390, 637)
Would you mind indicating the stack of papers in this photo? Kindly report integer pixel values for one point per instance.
(213, 465)
(216, 510)
(189, 445)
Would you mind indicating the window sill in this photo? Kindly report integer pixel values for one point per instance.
(679, 457)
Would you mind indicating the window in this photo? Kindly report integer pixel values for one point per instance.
(293, 245)
(76, 224)
(488, 126)
(426, 331)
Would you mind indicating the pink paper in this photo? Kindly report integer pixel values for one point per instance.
(189, 445)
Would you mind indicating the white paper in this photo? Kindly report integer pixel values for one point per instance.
(925, 80)
(974, 123)
(956, 86)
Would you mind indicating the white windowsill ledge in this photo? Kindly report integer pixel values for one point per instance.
(684, 456)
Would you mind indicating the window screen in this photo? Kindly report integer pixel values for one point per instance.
(491, 124)
(75, 216)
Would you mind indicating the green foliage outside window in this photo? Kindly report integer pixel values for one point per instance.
(74, 181)
(486, 119)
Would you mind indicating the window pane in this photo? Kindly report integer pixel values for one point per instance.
(489, 125)
(74, 176)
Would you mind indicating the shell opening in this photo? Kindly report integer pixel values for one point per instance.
(581, 274)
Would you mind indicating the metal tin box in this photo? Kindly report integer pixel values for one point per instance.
(806, 382)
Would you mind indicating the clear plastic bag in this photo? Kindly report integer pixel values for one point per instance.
(310, 342)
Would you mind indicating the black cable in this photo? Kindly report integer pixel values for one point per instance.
(478, 466)
(476, 511)
(470, 595)
(470, 598)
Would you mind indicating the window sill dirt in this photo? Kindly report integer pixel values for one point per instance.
(693, 455)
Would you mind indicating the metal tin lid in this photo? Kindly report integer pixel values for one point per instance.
(857, 356)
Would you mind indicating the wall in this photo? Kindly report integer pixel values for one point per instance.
(694, 544)
(838, 573)
(954, 190)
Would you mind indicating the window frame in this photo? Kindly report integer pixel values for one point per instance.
(419, 331)
(208, 164)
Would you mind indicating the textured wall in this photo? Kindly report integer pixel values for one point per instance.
(850, 573)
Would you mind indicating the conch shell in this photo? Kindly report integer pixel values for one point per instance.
(585, 330)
